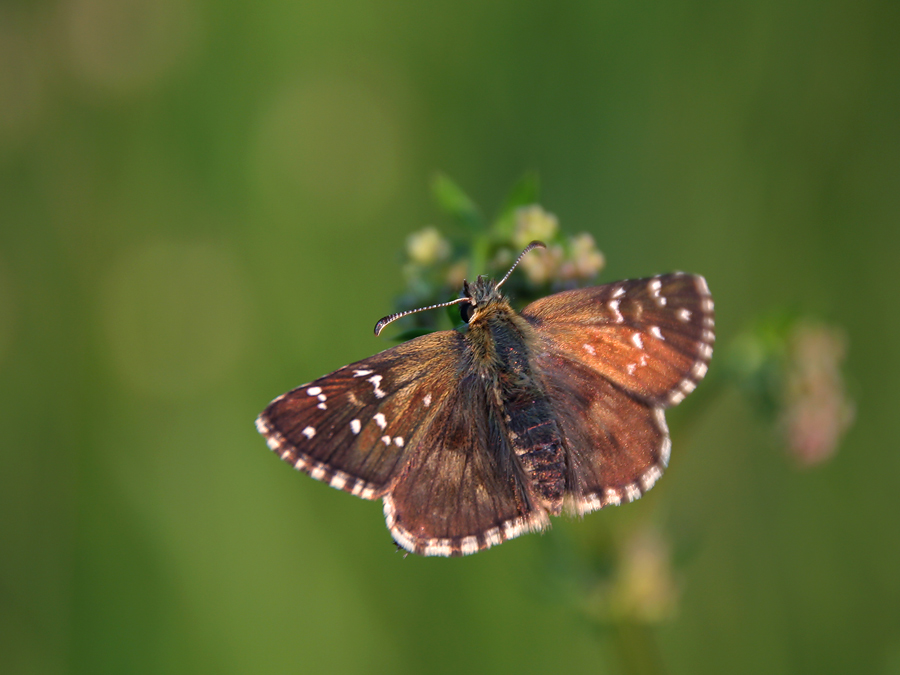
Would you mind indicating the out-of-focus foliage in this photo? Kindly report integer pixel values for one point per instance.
(436, 266)
(202, 205)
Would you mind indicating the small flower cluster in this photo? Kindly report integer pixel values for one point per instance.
(816, 411)
(791, 368)
(436, 265)
(641, 585)
(567, 260)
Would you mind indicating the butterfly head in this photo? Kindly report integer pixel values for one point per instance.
(477, 297)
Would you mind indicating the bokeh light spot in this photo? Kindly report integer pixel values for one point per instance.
(128, 45)
(334, 143)
(21, 75)
(175, 317)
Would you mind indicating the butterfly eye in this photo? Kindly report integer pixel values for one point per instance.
(465, 311)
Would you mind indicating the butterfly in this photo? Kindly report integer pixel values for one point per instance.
(472, 438)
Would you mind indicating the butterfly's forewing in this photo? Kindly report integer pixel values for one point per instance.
(463, 490)
(356, 427)
(612, 358)
(414, 425)
(651, 337)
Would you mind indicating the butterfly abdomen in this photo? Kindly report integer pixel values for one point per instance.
(541, 451)
(530, 428)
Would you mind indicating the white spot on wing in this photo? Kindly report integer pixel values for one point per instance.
(648, 480)
(309, 432)
(656, 332)
(362, 373)
(339, 480)
(468, 545)
(398, 441)
(376, 382)
(636, 339)
(683, 315)
(355, 426)
(314, 391)
(438, 547)
(427, 400)
(492, 537)
(589, 349)
(380, 420)
(386, 440)
(613, 306)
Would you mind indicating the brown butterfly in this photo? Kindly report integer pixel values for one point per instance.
(472, 438)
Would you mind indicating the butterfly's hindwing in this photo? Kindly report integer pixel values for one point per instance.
(651, 337)
(617, 445)
(463, 490)
(355, 428)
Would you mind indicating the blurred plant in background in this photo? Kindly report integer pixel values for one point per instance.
(788, 368)
(436, 264)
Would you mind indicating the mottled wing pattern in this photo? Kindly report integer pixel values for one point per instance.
(463, 489)
(612, 359)
(617, 445)
(356, 428)
(651, 337)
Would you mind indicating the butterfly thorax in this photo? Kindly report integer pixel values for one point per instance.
(501, 344)
(499, 338)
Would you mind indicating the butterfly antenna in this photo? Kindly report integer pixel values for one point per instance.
(532, 245)
(399, 315)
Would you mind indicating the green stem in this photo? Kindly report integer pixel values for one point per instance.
(637, 649)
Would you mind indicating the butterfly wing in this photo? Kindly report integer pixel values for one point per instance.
(463, 490)
(651, 337)
(612, 358)
(356, 428)
(414, 426)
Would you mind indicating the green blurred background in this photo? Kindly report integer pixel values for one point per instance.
(202, 206)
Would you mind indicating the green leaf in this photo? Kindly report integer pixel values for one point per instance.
(524, 193)
(453, 314)
(455, 202)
